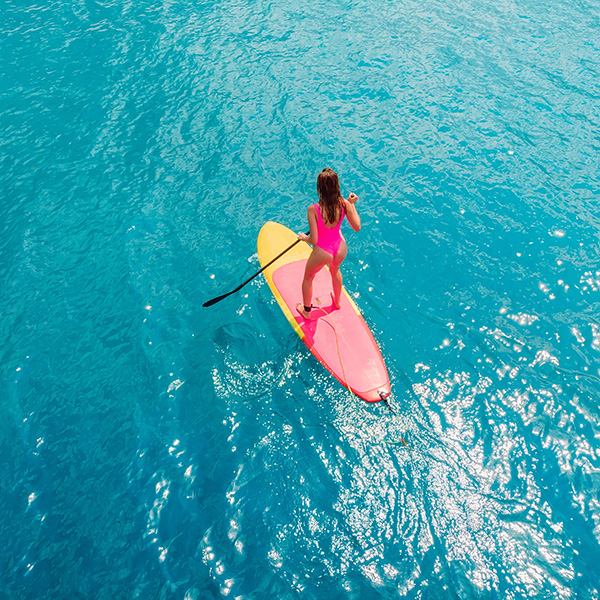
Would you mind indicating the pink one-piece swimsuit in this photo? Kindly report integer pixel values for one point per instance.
(329, 239)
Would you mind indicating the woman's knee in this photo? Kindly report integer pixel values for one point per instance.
(310, 274)
(337, 263)
(313, 266)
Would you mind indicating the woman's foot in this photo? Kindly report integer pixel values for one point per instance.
(337, 304)
(305, 313)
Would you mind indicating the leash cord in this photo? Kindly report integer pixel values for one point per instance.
(402, 441)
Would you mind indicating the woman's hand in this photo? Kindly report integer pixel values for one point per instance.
(352, 198)
(302, 237)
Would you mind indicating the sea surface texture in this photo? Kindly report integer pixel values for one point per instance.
(155, 449)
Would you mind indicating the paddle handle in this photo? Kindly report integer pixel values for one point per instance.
(239, 287)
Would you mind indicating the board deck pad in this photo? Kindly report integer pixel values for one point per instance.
(339, 339)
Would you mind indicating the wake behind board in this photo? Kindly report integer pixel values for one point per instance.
(352, 356)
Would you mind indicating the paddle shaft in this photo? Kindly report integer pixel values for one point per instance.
(239, 287)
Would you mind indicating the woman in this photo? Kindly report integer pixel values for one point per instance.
(329, 246)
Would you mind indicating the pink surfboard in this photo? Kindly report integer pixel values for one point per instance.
(339, 339)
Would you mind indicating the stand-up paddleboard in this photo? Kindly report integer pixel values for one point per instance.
(339, 338)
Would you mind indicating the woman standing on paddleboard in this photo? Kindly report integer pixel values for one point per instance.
(329, 246)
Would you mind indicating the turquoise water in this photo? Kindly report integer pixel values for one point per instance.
(153, 448)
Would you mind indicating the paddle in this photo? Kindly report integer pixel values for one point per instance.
(239, 287)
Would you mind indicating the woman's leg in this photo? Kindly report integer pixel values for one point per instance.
(336, 275)
(316, 261)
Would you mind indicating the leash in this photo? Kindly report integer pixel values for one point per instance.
(383, 395)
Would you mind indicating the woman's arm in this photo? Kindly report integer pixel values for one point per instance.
(351, 212)
(313, 238)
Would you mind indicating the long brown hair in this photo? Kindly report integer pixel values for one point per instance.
(330, 196)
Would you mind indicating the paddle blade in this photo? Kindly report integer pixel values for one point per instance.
(215, 300)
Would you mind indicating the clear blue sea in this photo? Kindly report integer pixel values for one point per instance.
(154, 449)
